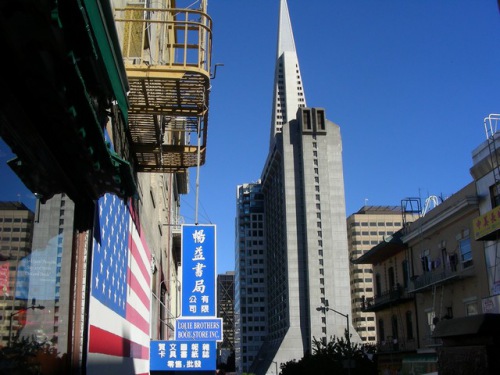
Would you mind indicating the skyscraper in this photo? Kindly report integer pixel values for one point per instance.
(307, 265)
(250, 283)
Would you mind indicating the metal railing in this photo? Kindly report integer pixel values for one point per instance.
(176, 38)
(440, 275)
(397, 345)
(395, 294)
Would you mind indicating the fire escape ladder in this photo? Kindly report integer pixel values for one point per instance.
(491, 127)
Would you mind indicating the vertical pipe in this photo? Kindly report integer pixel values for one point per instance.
(198, 157)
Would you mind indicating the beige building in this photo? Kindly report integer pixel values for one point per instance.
(366, 228)
(447, 265)
(430, 271)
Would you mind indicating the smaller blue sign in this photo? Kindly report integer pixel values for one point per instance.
(203, 329)
(182, 356)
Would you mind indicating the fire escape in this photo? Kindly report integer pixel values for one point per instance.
(95, 95)
(167, 55)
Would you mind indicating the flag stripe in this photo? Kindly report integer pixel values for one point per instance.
(109, 365)
(111, 344)
(139, 292)
(134, 316)
(118, 325)
(141, 257)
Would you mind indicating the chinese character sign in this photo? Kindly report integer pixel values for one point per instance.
(182, 356)
(198, 270)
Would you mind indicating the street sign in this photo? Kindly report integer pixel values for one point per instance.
(198, 293)
(200, 329)
(183, 356)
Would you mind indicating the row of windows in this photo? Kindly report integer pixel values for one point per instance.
(372, 233)
(14, 220)
(7, 247)
(251, 310)
(365, 270)
(15, 239)
(367, 280)
(363, 319)
(374, 224)
(365, 242)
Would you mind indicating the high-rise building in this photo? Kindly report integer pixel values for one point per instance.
(306, 262)
(250, 283)
(367, 228)
(225, 310)
(16, 233)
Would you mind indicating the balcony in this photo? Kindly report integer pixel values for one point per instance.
(394, 296)
(167, 57)
(440, 276)
(394, 345)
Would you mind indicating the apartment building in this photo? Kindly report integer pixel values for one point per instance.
(428, 272)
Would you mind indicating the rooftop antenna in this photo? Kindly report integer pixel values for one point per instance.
(431, 200)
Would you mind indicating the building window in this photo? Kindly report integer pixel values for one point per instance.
(409, 325)
(495, 195)
(394, 324)
(425, 261)
(378, 285)
(471, 308)
(381, 330)
(431, 321)
(406, 273)
(465, 252)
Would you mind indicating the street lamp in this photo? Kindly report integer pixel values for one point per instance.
(275, 367)
(326, 308)
(32, 307)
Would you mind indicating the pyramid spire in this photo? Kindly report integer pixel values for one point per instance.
(285, 32)
(288, 88)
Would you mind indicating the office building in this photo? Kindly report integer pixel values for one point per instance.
(16, 233)
(225, 310)
(366, 228)
(306, 254)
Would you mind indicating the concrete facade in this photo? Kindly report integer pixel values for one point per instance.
(307, 244)
(306, 255)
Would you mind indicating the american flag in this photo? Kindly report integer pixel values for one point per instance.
(119, 309)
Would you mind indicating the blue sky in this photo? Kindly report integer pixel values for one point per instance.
(408, 81)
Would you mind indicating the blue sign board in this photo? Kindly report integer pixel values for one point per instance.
(182, 356)
(202, 329)
(198, 271)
